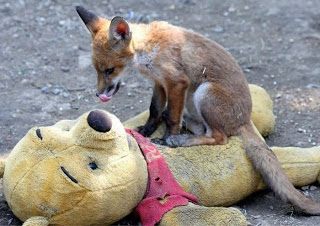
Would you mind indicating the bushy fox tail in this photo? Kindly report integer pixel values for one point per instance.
(266, 163)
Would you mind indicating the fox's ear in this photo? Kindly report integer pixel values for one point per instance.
(89, 19)
(119, 30)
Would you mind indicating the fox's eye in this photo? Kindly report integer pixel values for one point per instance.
(109, 71)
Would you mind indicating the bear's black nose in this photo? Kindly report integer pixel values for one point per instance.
(99, 121)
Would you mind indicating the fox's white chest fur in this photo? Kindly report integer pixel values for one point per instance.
(144, 62)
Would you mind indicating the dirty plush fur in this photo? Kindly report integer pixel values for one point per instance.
(190, 73)
(106, 176)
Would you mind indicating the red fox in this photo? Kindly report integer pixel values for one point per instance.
(196, 79)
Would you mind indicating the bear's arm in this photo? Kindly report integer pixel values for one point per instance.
(201, 215)
(2, 164)
(36, 221)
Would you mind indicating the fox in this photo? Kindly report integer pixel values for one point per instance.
(197, 83)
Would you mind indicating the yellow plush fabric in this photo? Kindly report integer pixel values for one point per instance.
(262, 110)
(191, 215)
(35, 185)
(36, 221)
(49, 179)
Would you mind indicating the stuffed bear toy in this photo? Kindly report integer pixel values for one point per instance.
(92, 171)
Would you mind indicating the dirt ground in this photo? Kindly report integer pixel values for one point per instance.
(46, 74)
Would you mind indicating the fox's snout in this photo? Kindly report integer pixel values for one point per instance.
(107, 93)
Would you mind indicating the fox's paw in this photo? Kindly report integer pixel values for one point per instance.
(172, 141)
(145, 130)
(159, 141)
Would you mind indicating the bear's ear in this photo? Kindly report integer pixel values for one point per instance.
(99, 121)
(89, 19)
(119, 30)
(2, 165)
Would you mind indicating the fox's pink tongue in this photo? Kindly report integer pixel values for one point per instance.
(104, 97)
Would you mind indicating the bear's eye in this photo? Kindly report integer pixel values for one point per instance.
(93, 165)
(109, 71)
(38, 132)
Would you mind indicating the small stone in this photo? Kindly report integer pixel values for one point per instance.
(231, 9)
(312, 85)
(40, 19)
(312, 188)
(129, 94)
(246, 7)
(218, 29)
(84, 61)
(186, 2)
(65, 94)
(45, 90)
(271, 207)
(56, 91)
(278, 96)
(65, 68)
(273, 11)
(291, 40)
(172, 7)
(142, 19)
(75, 47)
(65, 106)
(130, 15)
(24, 81)
(225, 13)
(62, 22)
(304, 188)
(300, 130)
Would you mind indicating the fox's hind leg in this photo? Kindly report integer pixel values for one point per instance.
(192, 125)
(205, 131)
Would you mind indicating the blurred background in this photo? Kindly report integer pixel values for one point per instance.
(46, 73)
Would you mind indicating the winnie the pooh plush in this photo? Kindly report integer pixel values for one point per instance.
(90, 171)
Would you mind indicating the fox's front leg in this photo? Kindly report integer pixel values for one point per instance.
(158, 102)
(176, 100)
(177, 92)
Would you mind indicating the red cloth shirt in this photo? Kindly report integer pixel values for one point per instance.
(163, 193)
